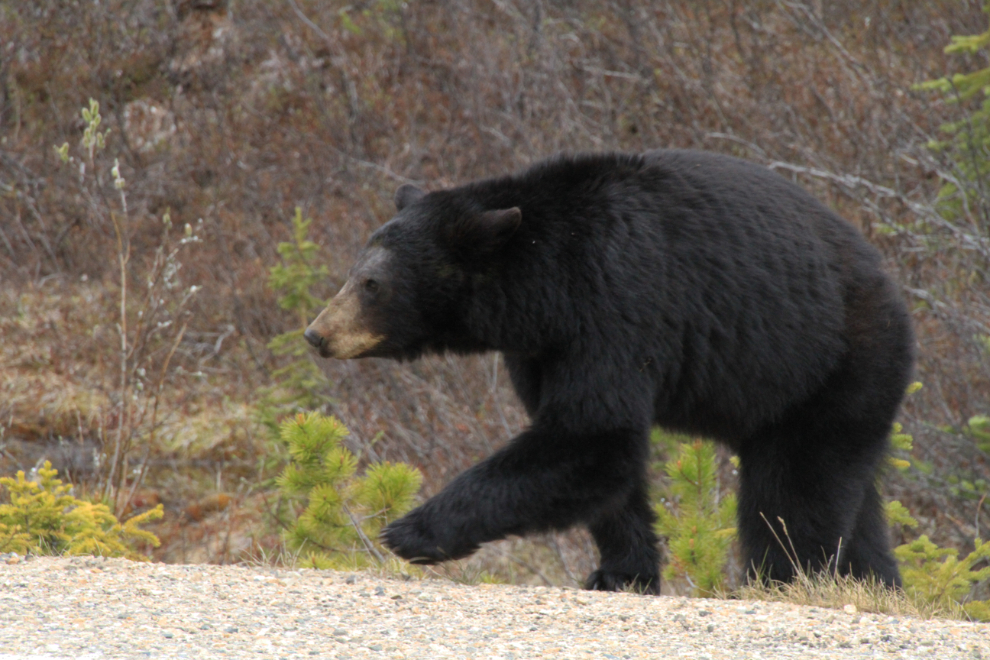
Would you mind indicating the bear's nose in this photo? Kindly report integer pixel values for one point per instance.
(313, 337)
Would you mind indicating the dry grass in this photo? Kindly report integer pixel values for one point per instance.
(841, 592)
(835, 591)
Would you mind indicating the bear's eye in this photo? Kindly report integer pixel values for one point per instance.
(371, 286)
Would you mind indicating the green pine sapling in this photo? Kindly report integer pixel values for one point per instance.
(298, 385)
(699, 524)
(339, 514)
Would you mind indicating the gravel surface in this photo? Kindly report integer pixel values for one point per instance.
(88, 608)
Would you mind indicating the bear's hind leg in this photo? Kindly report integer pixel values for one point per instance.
(802, 487)
(867, 554)
(628, 547)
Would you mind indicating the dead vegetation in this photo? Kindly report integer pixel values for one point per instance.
(229, 113)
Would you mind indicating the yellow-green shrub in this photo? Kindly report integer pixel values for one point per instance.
(43, 517)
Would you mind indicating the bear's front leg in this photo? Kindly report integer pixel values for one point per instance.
(481, 504)
(542, 480)
(630, 556)
(421, 537)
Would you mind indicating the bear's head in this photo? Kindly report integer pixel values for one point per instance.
(408, 289)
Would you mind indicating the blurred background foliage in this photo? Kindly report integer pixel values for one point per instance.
(227, 115)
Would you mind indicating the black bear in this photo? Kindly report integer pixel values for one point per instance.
(694, 291)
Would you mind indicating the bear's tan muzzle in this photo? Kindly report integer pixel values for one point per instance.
(338, 331)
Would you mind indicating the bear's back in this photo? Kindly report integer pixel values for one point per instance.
(726, 280)
(762, 269)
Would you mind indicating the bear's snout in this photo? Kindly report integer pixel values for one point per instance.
(340, 331)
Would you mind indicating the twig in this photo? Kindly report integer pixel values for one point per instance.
(560, 556)
(970, 241)
(123, 256)
(364, 538)
(154, 419)
(529, 567)
(339, 56)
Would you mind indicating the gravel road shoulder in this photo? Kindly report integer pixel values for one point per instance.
(89, 608)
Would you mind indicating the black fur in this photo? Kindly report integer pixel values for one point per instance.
(695, 291)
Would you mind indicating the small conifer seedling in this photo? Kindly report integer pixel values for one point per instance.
(339, 514)
(701, 527)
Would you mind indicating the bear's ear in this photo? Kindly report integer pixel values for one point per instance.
(487, 231)
(501, 224)
(406, 195)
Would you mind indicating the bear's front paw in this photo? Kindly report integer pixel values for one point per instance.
(416, 539)
(606, 580)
